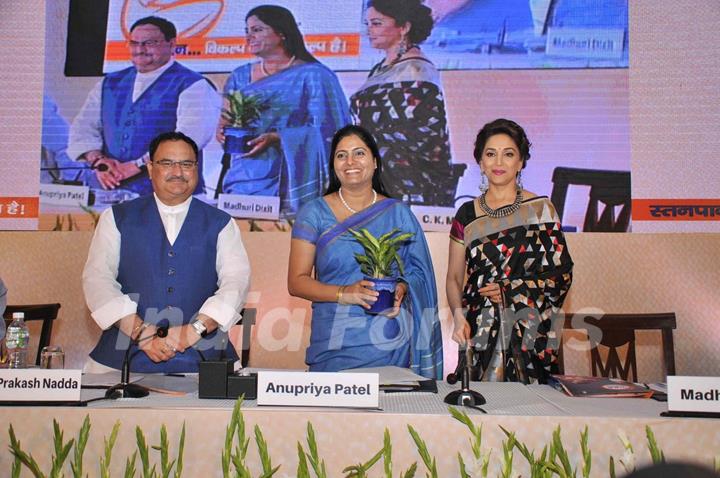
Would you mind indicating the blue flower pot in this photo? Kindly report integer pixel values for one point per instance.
(236, 139)
(386, 288)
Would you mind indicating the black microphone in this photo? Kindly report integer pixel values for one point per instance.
(465, 397)
(100, 167)
(456, 375)
(125, 389)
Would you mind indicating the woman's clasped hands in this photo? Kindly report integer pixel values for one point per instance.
(362, 293)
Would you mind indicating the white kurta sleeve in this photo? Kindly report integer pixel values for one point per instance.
(86, 128)
(198, 112)
(233, 270)
(103, 292)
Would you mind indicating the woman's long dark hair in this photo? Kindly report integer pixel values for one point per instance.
(282, 21)
(367, 138)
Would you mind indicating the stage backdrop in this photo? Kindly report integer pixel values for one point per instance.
(557, 68)
(661, 109)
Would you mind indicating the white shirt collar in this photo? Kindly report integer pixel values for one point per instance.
(165, 209)
(151, 75)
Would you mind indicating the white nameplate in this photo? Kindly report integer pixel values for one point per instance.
(39, 385)
(318, 389)
(598, 43)
(252, 207)
(433, 218)
(64, 195)
(693, 394)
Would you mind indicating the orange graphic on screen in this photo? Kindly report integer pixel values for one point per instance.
(206, 23)
(19, 207)
(194, 39)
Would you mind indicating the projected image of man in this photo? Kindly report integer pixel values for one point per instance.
(129, 107)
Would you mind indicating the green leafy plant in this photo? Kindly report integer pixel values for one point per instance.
(586, 453)
(61, 450)
(656, 453)
(507, 458)
(539, 466)
(360, 470)
(381, 253)
(166, 465)
(554, 460)
(243, 110)
(109, 444)
(317, 464)
(265, 460)
(481, 458)
(144, 450)
(558, 452)
(235, 435)
(77, 463)
(22, 457)
(429, 461)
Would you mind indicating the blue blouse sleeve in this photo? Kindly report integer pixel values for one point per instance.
(307, 223)
(238, 79)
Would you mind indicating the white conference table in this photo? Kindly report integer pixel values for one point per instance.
(346, 437)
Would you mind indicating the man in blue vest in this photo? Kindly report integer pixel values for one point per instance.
(165, 259)
(128, 108)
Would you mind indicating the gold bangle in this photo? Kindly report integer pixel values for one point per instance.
(339, 293)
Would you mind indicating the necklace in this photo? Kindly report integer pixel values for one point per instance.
(286, 65)
(503, 210)
(342, 199)
(382, 67)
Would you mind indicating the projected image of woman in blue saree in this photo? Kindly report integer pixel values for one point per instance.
(302, 106)
(324, 270)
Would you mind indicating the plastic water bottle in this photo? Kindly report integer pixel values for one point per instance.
(17, 338)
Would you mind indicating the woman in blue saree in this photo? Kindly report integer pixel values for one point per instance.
(303, 104)
(343, 335)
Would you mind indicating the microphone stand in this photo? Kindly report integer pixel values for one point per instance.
(125, 389)
(466, 397)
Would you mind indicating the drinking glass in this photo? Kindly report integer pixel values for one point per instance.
(52, 357)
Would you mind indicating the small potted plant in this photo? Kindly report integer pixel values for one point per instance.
(378, 264)
(242, 114)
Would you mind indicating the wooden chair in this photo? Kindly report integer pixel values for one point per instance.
(616, 330)
(45, 312)
(612, 188)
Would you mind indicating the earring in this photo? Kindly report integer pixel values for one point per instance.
(402, 47)
(519, 181)
(483, 182)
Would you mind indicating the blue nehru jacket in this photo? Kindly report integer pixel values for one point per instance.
(169, 282)
(129, 127)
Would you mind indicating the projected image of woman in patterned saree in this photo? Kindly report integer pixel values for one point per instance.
(403, 104)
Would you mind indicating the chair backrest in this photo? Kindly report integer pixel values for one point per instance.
(612, 188)
(248, 320)
(45, 312)
(616, 330)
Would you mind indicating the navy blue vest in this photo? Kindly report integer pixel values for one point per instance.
(169, 283)
(129, 127)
